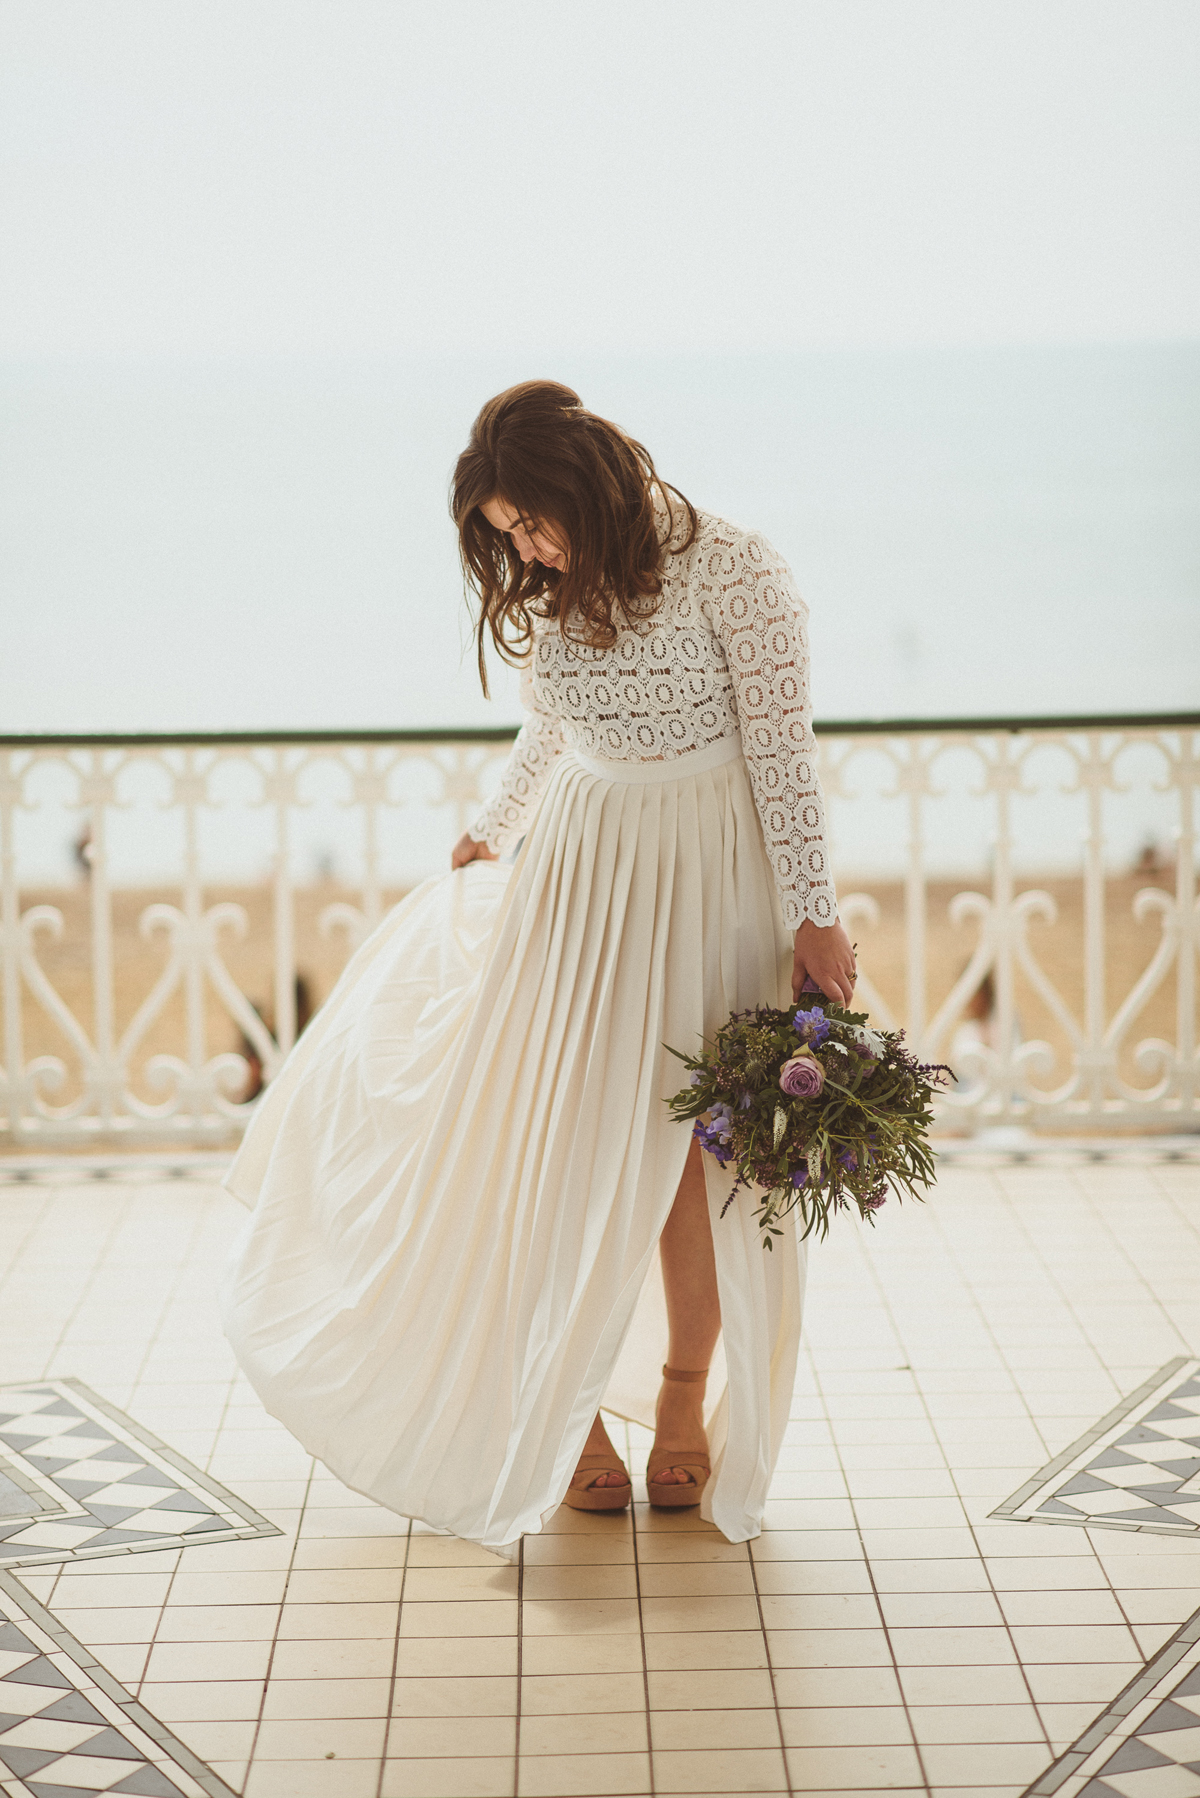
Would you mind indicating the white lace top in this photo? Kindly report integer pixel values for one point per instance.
(726, 652)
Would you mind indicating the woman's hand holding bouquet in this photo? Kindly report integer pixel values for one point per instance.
(823, 961)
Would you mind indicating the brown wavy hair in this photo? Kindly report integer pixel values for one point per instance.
(588, 484)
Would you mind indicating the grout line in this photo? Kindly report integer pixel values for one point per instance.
(968, 1287)
(983, 1560)
(1008, 1630)
(227, 1405)
(637, 1582)
(100, 1260)
(198, 1222)
(1014, 1374)
(766, 1641)
(387, 1722)
(949, 1247)
(883, 1622)
(14, 1269)
(520, 1664)
(262, 1702)
(1171, 1199)
(158, 1623)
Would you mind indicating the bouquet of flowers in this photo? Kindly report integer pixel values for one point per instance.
(814, 1109)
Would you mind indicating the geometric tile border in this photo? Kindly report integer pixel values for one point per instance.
(1137, 1469)
(80, 1479)
(988, 1149)
(1145, 1740)
(1021, 1148)
(130, 1169)
(68, 1730)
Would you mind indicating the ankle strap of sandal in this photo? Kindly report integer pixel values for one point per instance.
(679, 1373)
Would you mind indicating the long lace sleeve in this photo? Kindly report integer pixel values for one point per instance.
(761, 623)
(539, 742)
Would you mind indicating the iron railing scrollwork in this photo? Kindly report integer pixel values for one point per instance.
(100, 1085)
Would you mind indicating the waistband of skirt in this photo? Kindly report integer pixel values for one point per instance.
(679, 767)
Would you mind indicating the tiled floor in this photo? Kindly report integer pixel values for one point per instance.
(887, 1633)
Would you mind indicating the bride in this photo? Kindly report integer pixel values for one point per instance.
(474, 1221)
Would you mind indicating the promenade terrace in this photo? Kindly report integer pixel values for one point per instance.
(980, 1570)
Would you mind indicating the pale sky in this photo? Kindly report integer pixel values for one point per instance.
(378, 177)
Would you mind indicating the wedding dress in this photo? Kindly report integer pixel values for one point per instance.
(460, 1175)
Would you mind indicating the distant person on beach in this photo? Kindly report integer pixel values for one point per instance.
(81, 852)
(255, 1074)
(465, 1180)
(1152, 864)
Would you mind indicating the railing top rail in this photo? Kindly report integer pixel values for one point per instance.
(883, 727)
(504, 733)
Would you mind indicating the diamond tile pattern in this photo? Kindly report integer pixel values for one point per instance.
(78, 1478)
(1146, 1744)
(1138, 1469)
(68, 1729)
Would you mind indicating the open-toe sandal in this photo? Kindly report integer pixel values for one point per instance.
(691, 1461)
(591, 1497)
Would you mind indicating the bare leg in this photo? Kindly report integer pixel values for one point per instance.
(689, 1270)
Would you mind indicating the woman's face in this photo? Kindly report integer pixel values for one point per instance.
(532, 543)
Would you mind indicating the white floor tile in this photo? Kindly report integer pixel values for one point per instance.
(948, 1356)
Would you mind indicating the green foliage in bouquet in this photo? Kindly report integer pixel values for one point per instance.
(814, 1109)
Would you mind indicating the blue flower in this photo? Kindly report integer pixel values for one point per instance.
(799, 1175)
(714, 1137)
(812, 1027)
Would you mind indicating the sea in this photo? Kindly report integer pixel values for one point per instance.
(267, 545)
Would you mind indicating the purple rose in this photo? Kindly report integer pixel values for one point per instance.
(802, 1077)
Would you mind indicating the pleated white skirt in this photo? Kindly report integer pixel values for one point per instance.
(460, 1175)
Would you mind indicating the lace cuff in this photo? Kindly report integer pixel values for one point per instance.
(761, 622)
(539, 743)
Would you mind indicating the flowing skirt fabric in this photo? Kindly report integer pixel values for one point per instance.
(460, 1176)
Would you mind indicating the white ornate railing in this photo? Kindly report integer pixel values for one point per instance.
(1051, 1047)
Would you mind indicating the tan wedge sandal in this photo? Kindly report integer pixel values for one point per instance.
(694, 1463)
(599, 1498)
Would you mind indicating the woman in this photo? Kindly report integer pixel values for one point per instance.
(466, 1179)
